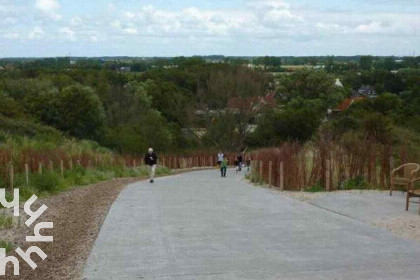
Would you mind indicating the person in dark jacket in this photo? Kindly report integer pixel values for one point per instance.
(239, 162)
(150, 159)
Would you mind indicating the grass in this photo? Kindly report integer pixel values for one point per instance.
(357, 183)
(8, 246)
(318, 187)
(6, 222)
(254, 177)
(51, 182)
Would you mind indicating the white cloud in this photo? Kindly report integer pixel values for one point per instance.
(68, 33)
(76, 21)
(49, 8)
(258, 27)
(37, 33)
(130, 31)
(11, 36)
(116, 24)
(372, 27)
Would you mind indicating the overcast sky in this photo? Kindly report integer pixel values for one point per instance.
(204, 27)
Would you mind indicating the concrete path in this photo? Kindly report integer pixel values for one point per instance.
(199, 226)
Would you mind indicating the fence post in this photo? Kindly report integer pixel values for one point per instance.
(391, 167)
(134, 163)
(328, 175)
(12, 178)
(261, 170)
(40, 167)
(281, 174)
(51, 165)
(71, 164)
(62, 168)
(27, 173)
(270, 173)
(78, 162)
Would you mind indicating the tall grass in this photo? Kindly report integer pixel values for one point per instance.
(354, 163)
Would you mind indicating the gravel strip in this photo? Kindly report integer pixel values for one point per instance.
(78, 216)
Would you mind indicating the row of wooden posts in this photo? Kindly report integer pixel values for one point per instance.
(173, 162)
(40, 170)
(257, 166)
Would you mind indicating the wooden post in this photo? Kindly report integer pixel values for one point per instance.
(40, 167)
(328, 175)
(270, 173)
(70, 164)
(78, 162)
(51, 165)
(261, 170)
(281, 174)
(134, 163)
(12, 178)
(62, 168)
(27, 174)
(391, 167)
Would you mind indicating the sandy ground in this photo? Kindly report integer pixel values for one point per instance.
(396, 220)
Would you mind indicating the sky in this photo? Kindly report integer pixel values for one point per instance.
(48, 28)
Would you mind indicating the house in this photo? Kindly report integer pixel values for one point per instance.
(366, 91)
(253, 102)
(347, 103)
(338, 83)
(125, 69)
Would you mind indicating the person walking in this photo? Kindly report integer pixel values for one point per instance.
(150, 159)
(223, 167)
(220, 157)
(239, 162)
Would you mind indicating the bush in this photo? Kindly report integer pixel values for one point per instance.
(8, 246)
(9, 196)
(318, 187)
(6, 221)
(47, 182)
(357, 183)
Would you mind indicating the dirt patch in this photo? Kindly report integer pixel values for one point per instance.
(400, 223)
(304, 196)
(402, 226)
(78, 216)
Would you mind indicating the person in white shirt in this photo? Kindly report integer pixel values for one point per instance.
(220, 157)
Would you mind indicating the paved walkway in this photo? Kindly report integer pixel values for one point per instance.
(199, 226)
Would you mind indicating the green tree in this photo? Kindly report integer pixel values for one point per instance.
(289, 125)
(366, 62)
(81, 113)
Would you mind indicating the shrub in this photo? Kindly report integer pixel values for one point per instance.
(357, 183)
(318, 187)
(8, 246)
(162, 170)
(47, 182)
(9, 197)
(5, 221)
